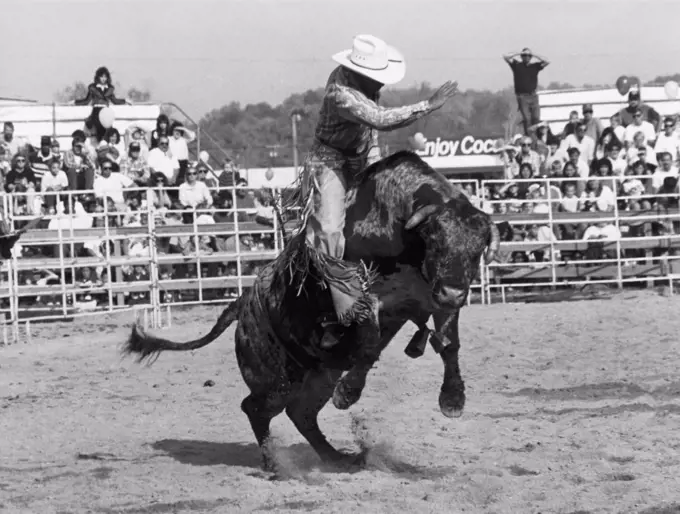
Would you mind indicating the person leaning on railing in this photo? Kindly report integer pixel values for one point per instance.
(158, 195)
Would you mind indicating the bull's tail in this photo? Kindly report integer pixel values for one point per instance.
(148, 347)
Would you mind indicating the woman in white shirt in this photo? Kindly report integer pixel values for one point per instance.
(194, 194)
(180, 136)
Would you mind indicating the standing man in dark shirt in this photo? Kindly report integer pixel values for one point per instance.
(525, 75)
(634, 103)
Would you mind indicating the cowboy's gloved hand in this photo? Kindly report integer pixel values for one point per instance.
(445, 92)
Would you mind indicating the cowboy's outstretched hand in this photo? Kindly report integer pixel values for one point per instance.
(442, 94)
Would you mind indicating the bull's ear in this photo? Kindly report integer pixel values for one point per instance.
(421, 215)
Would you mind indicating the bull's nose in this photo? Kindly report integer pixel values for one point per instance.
(453, 296)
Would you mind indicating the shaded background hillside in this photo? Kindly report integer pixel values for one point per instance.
(260, 134)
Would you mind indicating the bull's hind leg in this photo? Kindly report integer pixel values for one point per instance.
(264, 372)
(303, 410)
(260, 411)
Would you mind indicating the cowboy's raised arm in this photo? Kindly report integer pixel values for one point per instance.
(355, 106)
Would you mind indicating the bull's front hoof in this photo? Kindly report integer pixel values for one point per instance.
(345, 396)
(452, 405)
(452, 413)
(349, 462)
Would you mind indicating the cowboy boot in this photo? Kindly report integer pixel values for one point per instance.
(333, 332)
(332, 323)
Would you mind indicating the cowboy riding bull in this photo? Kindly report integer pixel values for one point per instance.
(381, 245)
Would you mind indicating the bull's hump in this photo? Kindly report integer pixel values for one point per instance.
(378, 206)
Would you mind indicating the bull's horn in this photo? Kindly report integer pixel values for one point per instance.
(494, 244)
(420, 215)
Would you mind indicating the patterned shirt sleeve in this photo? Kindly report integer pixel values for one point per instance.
(355, 106)
(374, 149)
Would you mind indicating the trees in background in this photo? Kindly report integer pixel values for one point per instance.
(260, 134)
(79, 90)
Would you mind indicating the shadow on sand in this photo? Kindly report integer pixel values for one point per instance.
(208, 453)
(298, 459)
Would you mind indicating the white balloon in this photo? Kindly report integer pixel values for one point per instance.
(419, 141)
(671, 88)
(203, 157)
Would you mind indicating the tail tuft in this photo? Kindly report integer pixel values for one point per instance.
(145, 346)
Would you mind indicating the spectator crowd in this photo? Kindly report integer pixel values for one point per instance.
(110, 179)
(631, 165)
(117, 181)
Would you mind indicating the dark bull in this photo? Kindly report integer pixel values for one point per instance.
(423, 238)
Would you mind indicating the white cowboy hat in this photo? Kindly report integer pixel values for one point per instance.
(374, 59)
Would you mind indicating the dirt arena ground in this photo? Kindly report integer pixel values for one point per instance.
(572, 408)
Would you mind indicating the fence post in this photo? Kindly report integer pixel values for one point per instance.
(54, 120)
(237, 240)
(198, 140)
(485, 271)
(617, 221)
(197, 251)
(62, 267)
(551, 224)
(154, 296)
(13, 277)
(107, 248)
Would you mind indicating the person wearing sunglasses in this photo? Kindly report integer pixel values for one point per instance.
(158, 196)
(668, 141)
(21, 177)
(162, 161)
(639, 125)
(527, 155)
(194, 194)
(627, 114)
(111, 185)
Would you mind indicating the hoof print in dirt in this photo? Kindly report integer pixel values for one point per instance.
(209, 383)
(519, 471)
(529, 447)
(621, 477)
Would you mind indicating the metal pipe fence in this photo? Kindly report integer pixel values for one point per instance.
(93, 256)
